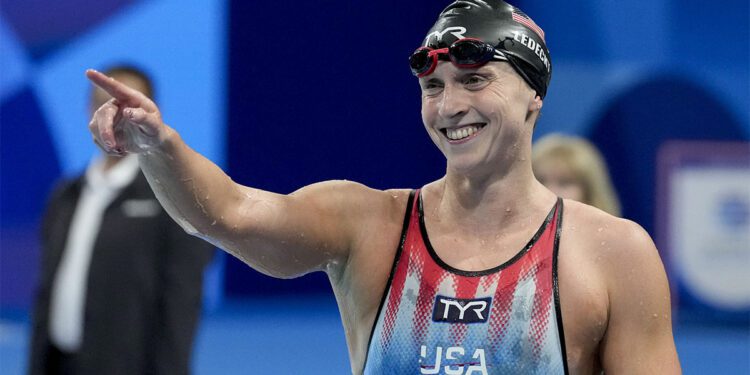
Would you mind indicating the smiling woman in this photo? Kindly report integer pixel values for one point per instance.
(476, 272)
(479, 117)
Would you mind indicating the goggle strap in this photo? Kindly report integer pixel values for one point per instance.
(438, 52)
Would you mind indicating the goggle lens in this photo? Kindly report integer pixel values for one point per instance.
(464, 53)
(470, 52)
(420, 61)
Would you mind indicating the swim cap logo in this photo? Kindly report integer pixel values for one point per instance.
(531, 44)
(456, 31)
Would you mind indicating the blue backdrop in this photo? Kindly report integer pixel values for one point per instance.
(322, 90)
(284, 94)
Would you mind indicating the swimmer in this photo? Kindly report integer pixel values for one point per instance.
(484, 271)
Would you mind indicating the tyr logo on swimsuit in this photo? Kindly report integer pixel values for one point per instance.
(456, 310)
(457, 31)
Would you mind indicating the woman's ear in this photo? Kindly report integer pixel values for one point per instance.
(536, 103)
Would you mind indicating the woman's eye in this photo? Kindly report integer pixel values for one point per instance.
(430, 88)
(474, 81)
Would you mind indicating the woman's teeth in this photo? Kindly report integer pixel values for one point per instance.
(461, 133)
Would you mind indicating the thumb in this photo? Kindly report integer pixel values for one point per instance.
(148, 123)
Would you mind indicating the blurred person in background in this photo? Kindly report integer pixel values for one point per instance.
(121, 283)
(574, 169)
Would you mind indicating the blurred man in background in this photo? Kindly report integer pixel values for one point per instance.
(574, 169)
(120, 288)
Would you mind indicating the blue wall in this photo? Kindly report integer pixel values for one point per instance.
(320, 90)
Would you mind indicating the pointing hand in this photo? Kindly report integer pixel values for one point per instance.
(129, 122)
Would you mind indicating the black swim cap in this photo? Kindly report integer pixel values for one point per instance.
(503, 26)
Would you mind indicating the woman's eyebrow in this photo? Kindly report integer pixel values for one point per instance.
(432, 80)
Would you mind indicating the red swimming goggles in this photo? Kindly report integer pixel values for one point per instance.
(464, 53)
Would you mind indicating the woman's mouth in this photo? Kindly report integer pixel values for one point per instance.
(462, 133)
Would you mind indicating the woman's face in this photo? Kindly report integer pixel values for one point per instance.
(560, 178)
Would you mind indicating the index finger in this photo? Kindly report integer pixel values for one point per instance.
(116, 89)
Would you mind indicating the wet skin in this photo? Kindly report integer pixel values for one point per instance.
(615, 300)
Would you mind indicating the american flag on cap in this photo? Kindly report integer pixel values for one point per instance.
(525, 20)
